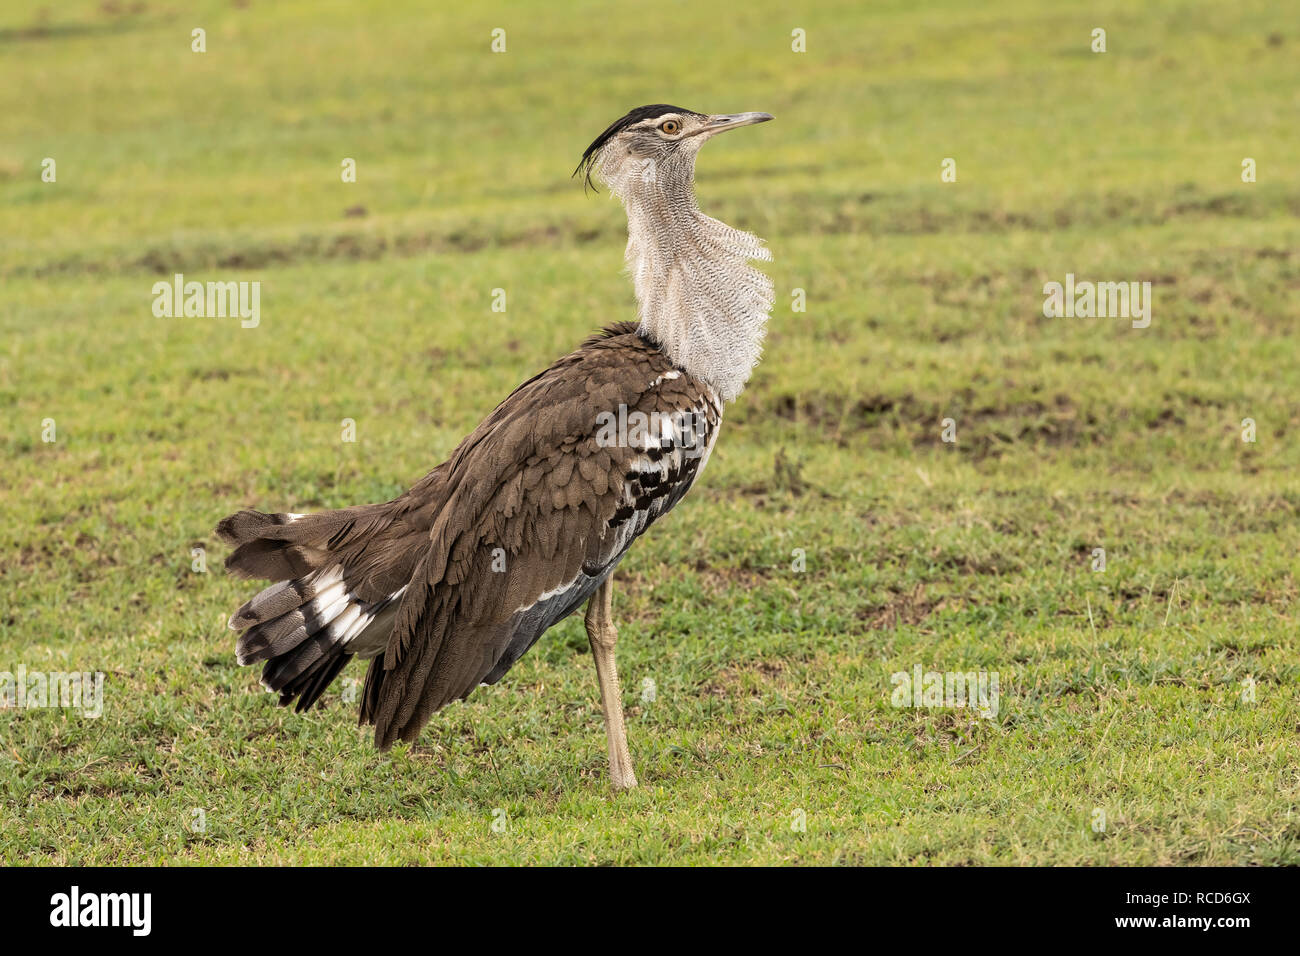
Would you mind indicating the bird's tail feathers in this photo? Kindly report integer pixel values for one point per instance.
(306, 626)
(277, 547)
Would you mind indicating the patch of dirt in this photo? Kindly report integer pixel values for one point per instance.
(903, 608)
(715, 580)
(728, 681)
(846, 215)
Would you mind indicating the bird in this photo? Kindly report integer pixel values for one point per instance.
(445, 587)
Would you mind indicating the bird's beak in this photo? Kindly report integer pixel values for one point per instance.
(726, 121)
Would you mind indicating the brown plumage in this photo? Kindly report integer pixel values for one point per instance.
(525, 505)
(448, 585)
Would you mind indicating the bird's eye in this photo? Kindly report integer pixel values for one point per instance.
(669, 126)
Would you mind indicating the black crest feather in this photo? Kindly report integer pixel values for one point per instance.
(616, 127)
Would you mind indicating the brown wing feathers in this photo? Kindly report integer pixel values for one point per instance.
(536, 485)
(524, 508)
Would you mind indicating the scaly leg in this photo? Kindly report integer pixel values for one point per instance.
(603, 636)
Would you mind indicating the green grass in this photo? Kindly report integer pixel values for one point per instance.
(1121, 690)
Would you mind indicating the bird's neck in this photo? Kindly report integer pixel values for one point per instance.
(699, 298)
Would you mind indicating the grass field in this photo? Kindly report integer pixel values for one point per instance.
(1125, 692)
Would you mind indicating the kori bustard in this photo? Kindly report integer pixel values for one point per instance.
(445, 587)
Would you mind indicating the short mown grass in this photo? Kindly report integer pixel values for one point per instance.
(835, 539)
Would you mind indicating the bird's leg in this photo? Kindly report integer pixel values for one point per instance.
(603, 635)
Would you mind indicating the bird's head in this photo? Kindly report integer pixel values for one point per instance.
(654, 146)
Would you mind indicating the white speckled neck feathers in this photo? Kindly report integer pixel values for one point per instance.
(698, 296)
